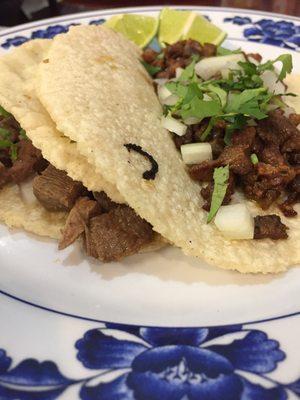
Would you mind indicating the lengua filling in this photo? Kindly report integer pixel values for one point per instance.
(110, 231)
(226, 113)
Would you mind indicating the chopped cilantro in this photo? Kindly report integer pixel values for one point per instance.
(287, 65)
(5, 144)
(235, 122)
(221, 94)
(254, 158)
(22, 133)
(13, 152)
(4, 133)
(221, 176)
(201, 109)
(222, 51)
(152, 70)
(188, 73)
(3, 112)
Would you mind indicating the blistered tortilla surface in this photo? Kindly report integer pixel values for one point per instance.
(32, 217)
(100, 96)
(18, 71)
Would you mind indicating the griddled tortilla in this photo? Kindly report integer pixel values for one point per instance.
(99, 95)
(17, 95)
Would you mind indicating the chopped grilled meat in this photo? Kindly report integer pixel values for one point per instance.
(104, 201)
(207, 191)
(184, 139)
(78, 219)
(4, 175)
(9, 123)
(295, 119)
(294, 158)
(271, 154)
(237, 158)
(276, 129)
(55, 190)
(149, 55)
(217, 143)
(287, 206)
(204, 171)
(116, 234)
(244, 137)
(209, 50)
(269, 226)
(276, 177)
(256, 56)
(29, 157)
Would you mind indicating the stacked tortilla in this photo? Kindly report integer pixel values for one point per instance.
(84, 95)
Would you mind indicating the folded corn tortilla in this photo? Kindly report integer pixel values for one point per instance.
(100, 96)
(17, 95)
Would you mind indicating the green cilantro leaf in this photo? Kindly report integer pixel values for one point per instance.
(287, 65)
(4, 133)
(189, 74)
(254, 158)
(222, 94)
(3, 112)
(151, 69)
(222, 51)
(4, 144)
(221, 176)
(236, 122)
(201, 109)
(22, 133)
(13, 152)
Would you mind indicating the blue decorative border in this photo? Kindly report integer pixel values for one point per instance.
(136, 363)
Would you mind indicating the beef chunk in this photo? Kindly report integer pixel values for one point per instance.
(276, 177)
(209, 50)
(204, 171)
(244, 137)
(4, 175)
(149, 55)
(29, 158)
(104, 201)
(271, 154)
(295, 119)
(276, 128)
(207, 191)
(184, 139)
(77, 220)
(269, 226)
(236, 157)
(116, 234)
(55, 190)
(256, 56)
(294, 158)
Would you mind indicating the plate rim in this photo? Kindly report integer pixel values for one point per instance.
(139, 9)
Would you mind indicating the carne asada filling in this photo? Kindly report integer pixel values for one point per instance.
(256, 139)
(110, 231)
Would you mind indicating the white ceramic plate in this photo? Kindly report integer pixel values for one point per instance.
(191, 331)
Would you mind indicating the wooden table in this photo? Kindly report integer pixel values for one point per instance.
(291, 7)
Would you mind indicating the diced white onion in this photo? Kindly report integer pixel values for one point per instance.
(288, 111)
(208, 67)
(235, 222)
(170, 100)
(192, 121)
(163, 92)
(178, 72)
(271, 107)
(161, 81)
(173, 125)
(269, 79)
(206, 97)
(26, 192)
(194, 153)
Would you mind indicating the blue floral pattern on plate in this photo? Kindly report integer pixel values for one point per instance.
(140, 363)
(47, 33)
(279, 33)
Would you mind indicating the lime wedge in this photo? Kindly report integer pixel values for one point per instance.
(139, 29)
(172, 24)
(204, 31)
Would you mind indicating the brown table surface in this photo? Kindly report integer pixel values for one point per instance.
(291, 7)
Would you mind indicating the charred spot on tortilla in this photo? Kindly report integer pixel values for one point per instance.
(149, 174)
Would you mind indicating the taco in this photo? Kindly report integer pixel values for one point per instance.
(47, 186)
(100, 96)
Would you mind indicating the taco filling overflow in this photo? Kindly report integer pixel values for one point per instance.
(189, 144)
